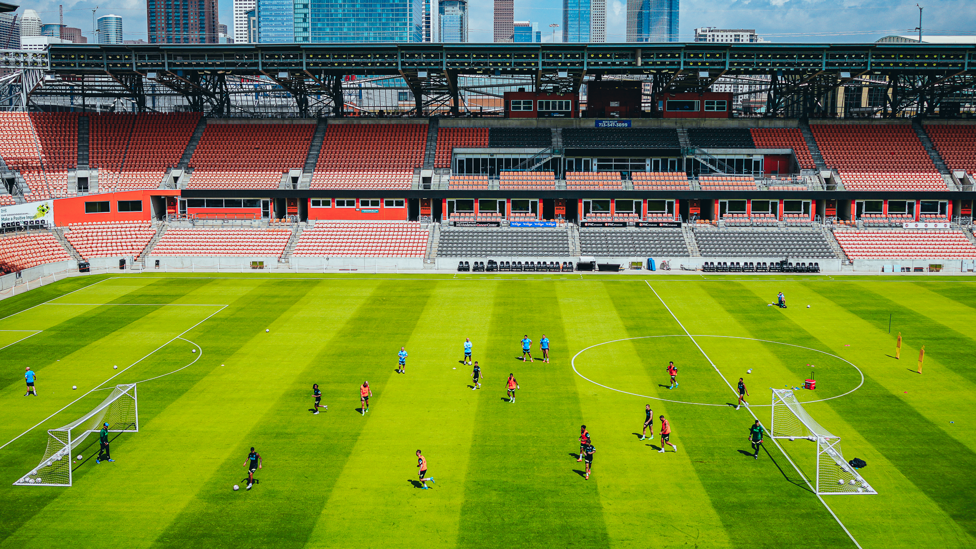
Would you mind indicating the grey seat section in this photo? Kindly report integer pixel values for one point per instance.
(503, 242)
(619, 242)
(760, 243)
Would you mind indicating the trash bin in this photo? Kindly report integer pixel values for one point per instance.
(650, 264)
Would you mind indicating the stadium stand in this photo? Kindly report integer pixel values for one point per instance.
(661, 181)
(109, 239)
(502, 242)
(727, 182)
(593, 180)
(879, 220)
(222, 242)
(618, 242)
(621, 138)
(878, 157)
(449, 139)
(956, 145)
(370, 156)
(481, 216)
(57, 138)
(157, 143)
(905, 244)
(108, 139)
(754, 220)
(248, 156)
(468, 182)
(785, 138)
(767, 243)
(527, 180)
(19, 152)
(29, 250)
(721, 138)
(617, 217)
(347, 239)
(519, 138)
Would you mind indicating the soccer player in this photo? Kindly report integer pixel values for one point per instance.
(254, 463)
(527, 348)
(584, 439)
(467, 351)
(544, 345)
(103, 453)
(318, 398)
(648, 422)
(588, 450)
(422, 463)
(666, 435)
(673, 372)
(402, 365)
(756, 437)
(743, 393)
(476, 376)
(512, 385)
(364, 394)
(30, 376)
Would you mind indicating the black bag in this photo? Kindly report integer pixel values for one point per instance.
(857, 463)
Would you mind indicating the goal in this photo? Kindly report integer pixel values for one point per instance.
(834, 475)
(120, 410)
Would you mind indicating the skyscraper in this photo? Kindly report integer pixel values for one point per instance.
(638, 20)
(110, 29)
(252, 26)
(504, 20)
(340, 21)
(428, 22)
(241, 7)
(74, 35)
(30, 24)
(276, 21)
(663, 21)
(182, 21)
(9, 31)
(526, 32)
(51, 29)
(577, 20)
(453, 16)
(598, 23)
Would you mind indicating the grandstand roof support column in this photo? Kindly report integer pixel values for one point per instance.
(132, 82)
(417, 88)
(335, 92)
(296, 87)
(452, 86)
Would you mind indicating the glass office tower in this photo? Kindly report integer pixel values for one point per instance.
(576, 20)
(453, 15)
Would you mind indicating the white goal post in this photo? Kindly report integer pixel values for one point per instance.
(834, 474)
(120, 410)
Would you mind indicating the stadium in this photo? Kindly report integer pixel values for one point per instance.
(206, 250)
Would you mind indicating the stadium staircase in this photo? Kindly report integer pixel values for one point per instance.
(140, 259)
(430, 258)
(812, 145)
(575, 248)
(83, 133)
(969, 235)
(192, 145)
(689, 235)
(314, 149)
(296, 233)
(834, 245)
(59, 236)
(929, 147)
(430, 153)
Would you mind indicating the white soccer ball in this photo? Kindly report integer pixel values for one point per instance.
(80, 457)
(236, 487)
(38, 480)
(865, 486)
(791, 439)
(267, 330)
(840, 481)
(749, 371)
(859, 490)
(808, 306)
(853, 482)
(115, 367)
(193, 351)
(73, 387)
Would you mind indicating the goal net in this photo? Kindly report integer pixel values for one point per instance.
(120, 410)
(834, 475)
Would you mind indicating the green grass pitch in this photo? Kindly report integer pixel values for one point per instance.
(506, 474)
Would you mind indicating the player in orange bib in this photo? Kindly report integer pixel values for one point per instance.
(422, 463)
(666, 435)
(512, 385)
(673, 372)
(584, 440)
(364, 394)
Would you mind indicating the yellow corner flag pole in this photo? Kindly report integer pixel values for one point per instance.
(921, 357)
(898, 347)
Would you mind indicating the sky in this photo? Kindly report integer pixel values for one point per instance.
(781, 21)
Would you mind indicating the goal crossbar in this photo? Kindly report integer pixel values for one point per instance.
(835, 475)
(120, 410)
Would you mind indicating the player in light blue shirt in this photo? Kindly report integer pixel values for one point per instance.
(527, 348)
(402, 366)
(544, 345)
(30, 376)
(467, 351)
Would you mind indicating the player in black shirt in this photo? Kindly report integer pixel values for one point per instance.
(648, 422)
(318, 398)
(743, 393)
(476, 376)
(254, 463)
(588, 455)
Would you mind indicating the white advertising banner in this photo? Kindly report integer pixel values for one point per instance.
(23, 216)
(926, 225)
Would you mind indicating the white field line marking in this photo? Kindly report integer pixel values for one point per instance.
(140, 304)
(180, 336)
(812, 489)
(573, 363)
(53, 298)
(200, 354)
(21, 339)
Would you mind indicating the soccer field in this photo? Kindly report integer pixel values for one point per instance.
(506, 473)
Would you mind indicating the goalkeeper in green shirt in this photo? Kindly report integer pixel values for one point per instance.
(103, 450)
(756, 437)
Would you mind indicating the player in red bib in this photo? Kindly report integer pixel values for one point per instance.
(584, 439)
(512, 385)
(673, 372)
(666, 435)
(364, 394)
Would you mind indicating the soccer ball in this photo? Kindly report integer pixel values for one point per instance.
(865, 486)
(73, 387)
(236, 487)
(859, 490)
(80, 457)
(115, 367)
(808, 306)
(193, 350)
(749, 371)
(267, 331)
(840, 481)
(38, 480)
(791, 439)
(853, 482)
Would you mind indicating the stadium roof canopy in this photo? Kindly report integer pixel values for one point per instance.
(4, 7)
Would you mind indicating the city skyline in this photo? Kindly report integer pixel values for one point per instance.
(782, 21)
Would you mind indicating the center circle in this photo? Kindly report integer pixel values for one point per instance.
(691, 338)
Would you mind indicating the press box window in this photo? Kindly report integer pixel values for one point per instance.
(325, 203)
(554, 105)
(716, 106)
(521, 104)
(130, 205)
(369, 202)
(345, 203)
(393, 203)
(677, 105)
(97, 207)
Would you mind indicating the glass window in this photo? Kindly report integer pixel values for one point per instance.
(215, 203)
(716, 106)
(464, 205)
(233, 203)
(628, 206)
(345, 203)
(656, 206)
(900, 207)
(369, 202)
(520, 206)
(488, 206)
(521, 104)
(393, 203)
(680, 105)
(97, 207)
(600, 206)
(252, 203)
(195, 203)
(929, 207)
(130, 205)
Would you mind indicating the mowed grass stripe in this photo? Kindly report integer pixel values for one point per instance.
(36, 296)
(431, 407)
(521, 489)
(303, 453)
(632, 477)
(880, 419)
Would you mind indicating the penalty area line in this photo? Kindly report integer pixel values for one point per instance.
(122, 371)
(21, 339)
(704, 354)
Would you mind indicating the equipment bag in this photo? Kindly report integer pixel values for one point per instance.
(857, 463)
